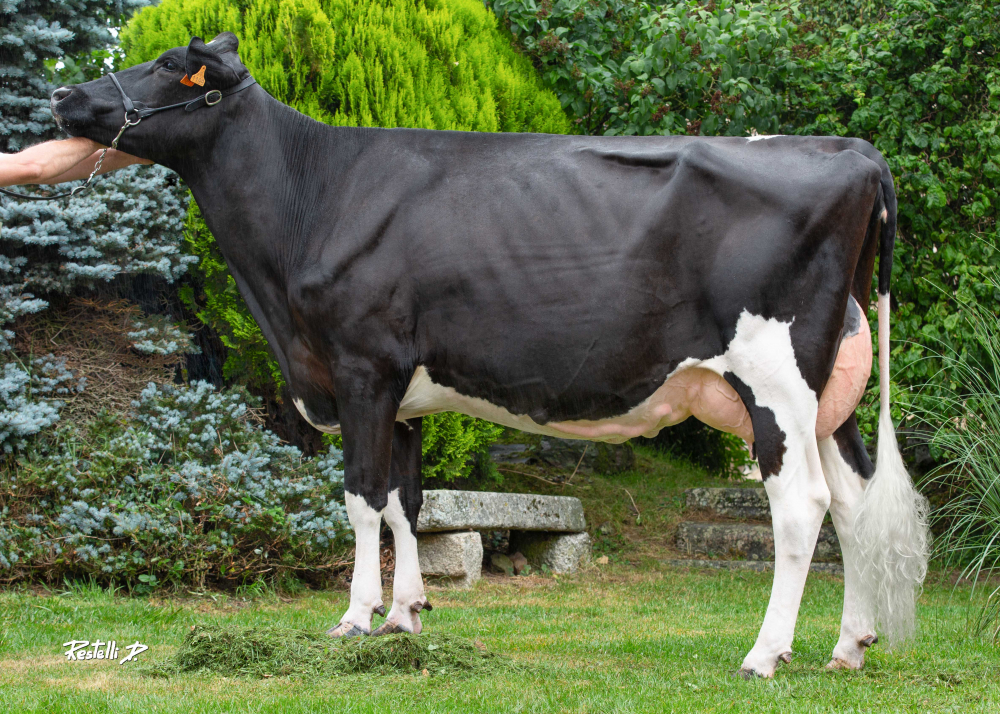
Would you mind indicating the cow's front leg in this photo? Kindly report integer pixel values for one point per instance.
(367, 413)
(405, 499)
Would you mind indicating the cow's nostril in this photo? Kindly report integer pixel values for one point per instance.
(61, 94)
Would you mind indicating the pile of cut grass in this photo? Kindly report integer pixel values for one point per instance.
(234, 651)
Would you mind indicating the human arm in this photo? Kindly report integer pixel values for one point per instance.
(57, 161)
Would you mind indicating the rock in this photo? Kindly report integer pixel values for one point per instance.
(455, 558)
(502, 562)
(450, 510)
(740, 503)
(509, 453)
(746, 541)
(560, 553)
(519, 562)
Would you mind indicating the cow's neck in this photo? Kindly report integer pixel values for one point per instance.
(267, 181)
(264, 187)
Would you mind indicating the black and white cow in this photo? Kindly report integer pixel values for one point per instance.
(584, 287)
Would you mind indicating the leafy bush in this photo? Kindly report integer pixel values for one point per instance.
(626, 67)
(188, 490)
(455, 447)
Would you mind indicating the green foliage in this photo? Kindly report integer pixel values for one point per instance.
(435, 64)
(455, 444)
(627, 67)
(718, 453)
(188, 491)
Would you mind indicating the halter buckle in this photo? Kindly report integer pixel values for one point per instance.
(218, 97)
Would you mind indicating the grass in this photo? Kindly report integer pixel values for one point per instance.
(614, 638)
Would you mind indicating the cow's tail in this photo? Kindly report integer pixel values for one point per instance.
(891, 526)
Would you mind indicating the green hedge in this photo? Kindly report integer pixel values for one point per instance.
(434, 64)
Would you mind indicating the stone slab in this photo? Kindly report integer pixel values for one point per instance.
(739, 503)
(450, 510)
(566, 553)
(455, 558)
(735, 565)
(754, 542)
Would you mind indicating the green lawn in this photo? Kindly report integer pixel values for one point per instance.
(615, 638)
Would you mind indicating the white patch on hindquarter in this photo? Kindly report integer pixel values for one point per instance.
(762, 356)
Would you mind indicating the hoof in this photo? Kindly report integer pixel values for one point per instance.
(785, 657)
(749, 674)
(347, 630)
(868, 641)
(387, 628)
(380, 609)
(424, 605)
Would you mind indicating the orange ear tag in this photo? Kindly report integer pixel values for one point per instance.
(186, 82)
(199, 77)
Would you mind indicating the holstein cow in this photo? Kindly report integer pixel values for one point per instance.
(582, 287)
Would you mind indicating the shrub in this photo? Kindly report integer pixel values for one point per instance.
(626, 67)
(189, 490)
(436, 64)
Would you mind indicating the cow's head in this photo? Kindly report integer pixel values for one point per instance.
(95, 109)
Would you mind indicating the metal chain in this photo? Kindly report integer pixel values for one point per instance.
(100, 160)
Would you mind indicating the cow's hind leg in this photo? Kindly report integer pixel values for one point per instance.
(784, 428)
(405, 499)
(846, 466)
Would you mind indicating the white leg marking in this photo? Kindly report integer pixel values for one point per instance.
(407, 584)
(761, 355)
(847, 489)
(366, 587)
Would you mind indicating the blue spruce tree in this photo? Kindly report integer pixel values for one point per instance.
(131, 222)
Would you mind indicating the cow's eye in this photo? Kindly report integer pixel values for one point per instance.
(170, 66)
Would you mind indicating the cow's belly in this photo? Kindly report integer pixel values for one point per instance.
(690, 391)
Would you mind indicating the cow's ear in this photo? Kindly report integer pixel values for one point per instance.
(205, 66)
(225, 42)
